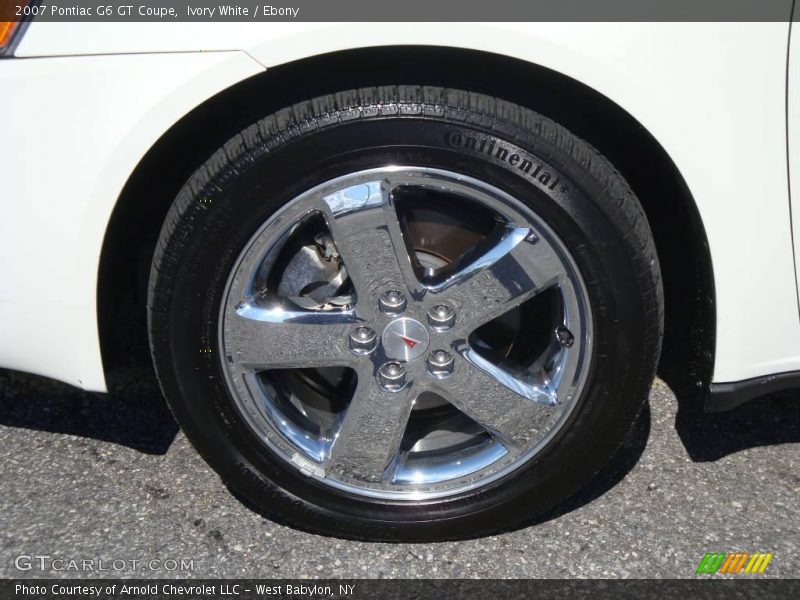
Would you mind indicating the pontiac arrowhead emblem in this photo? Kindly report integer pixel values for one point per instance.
(409, 341)
(405, 339)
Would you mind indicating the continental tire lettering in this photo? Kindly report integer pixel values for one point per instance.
(498, 150)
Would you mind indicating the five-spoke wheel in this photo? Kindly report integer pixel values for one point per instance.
(404, 330)
(405, 313)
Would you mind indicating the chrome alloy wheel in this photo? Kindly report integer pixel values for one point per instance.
(405, 333)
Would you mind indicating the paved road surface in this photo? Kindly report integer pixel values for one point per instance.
(89, 477)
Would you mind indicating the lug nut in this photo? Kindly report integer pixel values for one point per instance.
(363, 340)
(392, 302)
(392, 376)
(564, 336)
(440, 364)
(441, 317)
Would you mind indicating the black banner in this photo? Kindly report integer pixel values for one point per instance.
(407, 10)
(250, 589)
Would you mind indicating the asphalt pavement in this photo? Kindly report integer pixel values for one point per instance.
(85, 477)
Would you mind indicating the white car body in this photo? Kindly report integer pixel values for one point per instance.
(83, 104)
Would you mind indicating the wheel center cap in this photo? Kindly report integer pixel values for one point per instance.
(405, 339)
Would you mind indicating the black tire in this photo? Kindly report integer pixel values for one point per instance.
(593, 210)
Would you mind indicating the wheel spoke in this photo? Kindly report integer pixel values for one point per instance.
(515, 409)
(279, 338)
(366, 230)
(490, 282)
(369, 437)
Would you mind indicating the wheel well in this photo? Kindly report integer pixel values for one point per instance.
(680, 238)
